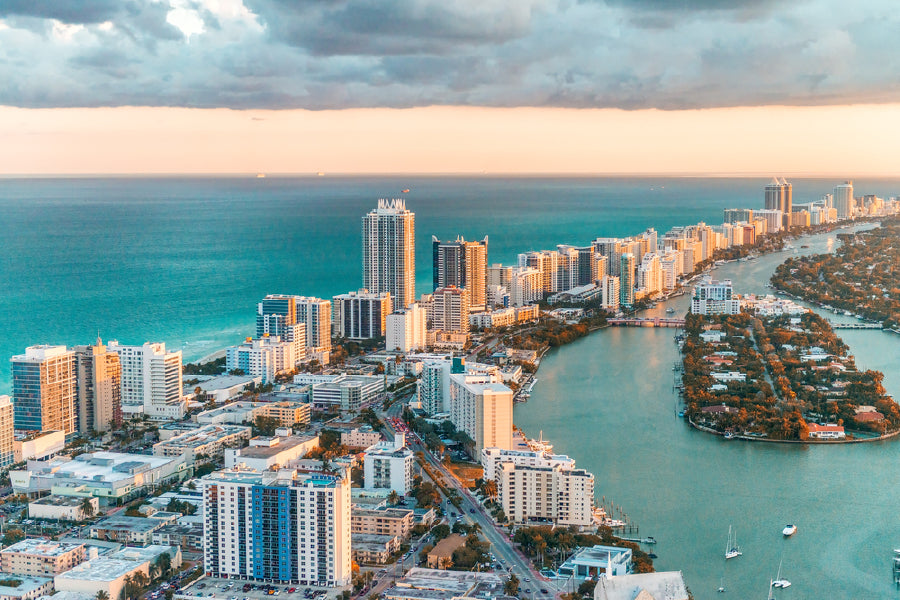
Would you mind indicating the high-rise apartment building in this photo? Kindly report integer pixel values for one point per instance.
(98, 388)
(284, 526)
(525, 286)
(715, 298)
(462, 264)
(389, 465)
(265, 357)
(43, 381)
(626, 279)
(539, 486)
(389, 260)
(151, 380)
(843, 200)
(779, 196)
(277, 316)
(315, 313)
(405, 329)
(609, 292)
(650, 274)
(482, 407)
(736, 215)
(7, 450)
(361, 315)
(450, 310)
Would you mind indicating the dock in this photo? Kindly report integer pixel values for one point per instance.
(856, 326)
(647, 540)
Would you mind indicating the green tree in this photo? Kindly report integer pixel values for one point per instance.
(101, 595)
(511, 587)
(87, 507)
(265, 425)
(12, 536)
(393, 498)
(164, 564)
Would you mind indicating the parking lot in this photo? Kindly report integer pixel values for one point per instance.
(214, 588)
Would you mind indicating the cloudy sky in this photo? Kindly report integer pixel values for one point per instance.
(570, 85)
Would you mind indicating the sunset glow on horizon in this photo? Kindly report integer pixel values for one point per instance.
(828, 140)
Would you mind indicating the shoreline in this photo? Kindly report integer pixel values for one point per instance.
(750, 438)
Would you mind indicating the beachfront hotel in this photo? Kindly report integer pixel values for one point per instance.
(151, 380)
(43, 381)
(389, 245)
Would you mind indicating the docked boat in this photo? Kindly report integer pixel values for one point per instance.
(789, 530)
(670, 310)
(732, 550)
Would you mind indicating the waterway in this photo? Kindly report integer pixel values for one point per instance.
(608, 401)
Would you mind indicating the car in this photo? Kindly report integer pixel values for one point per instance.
(291, 590)
(526, 580)
(527, 590)
(543, 591)
(472, 510)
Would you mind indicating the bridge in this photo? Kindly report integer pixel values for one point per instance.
(856, 326)
(655, 322)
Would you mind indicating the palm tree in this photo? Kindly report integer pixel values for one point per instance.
(393, 498)
(490, 489)
(87, 507)
(128, 588)
(164, 563)
(101, 595)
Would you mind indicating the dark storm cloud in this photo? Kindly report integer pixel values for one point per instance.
(322, 54)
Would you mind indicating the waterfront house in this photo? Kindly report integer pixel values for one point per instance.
(826, 432)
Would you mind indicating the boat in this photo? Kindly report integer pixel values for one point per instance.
(789, 530)
(260, 175)
(652, 555)
(670, 310)
(729, 435)
(405, 191)
(779, 582)
(732, 550)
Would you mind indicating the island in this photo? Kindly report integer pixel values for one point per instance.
(777, 372)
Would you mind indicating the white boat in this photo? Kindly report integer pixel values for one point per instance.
(670, 310)
(789, 530)
(779, 582)
(731, 548)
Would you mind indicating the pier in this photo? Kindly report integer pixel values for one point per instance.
(654, 322)
(856, 326)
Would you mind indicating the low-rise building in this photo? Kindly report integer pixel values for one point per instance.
(381, 521)
(434, 584)
(40, 557)
(826, 432)
(360, 437)
(644, 586)
(28, 588)
(100, 574)
(346, 392)
(265, 452)
(63, 508)
(137, 531)
(223, 388)
(441, 556)
(591, 562)
(209, 440)
(113, 477)
(38, 446)
(187, 536)
(373, 549)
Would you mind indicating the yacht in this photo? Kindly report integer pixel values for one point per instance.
(779, 582)
(732, 550)
(789, 530)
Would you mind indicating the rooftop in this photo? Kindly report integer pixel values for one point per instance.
(100, 569)
(458, 582)
(282, 445)
(446, 546)
(99, 466)
(29, 584)
(58, 501)
(667, 585)
(224, 382)
(205, 435)
(41, 547)
(143, 554)
(137, 524)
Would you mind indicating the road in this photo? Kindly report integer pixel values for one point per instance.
(474, 511)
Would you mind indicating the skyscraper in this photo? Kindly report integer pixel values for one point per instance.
(626, 279)
(44, 389)
(315, 313)
(843, 200)
(277, 315)
(285, 526)
(389, 244)
(450, 311)
(151, 380)
(361, 315)
(462, 264)
(779, 196)
(98, 388)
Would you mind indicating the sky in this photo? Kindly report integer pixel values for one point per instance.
(581, 86)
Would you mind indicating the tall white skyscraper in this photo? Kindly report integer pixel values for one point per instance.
(843, 200)
(389, 251)
(151, 380)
